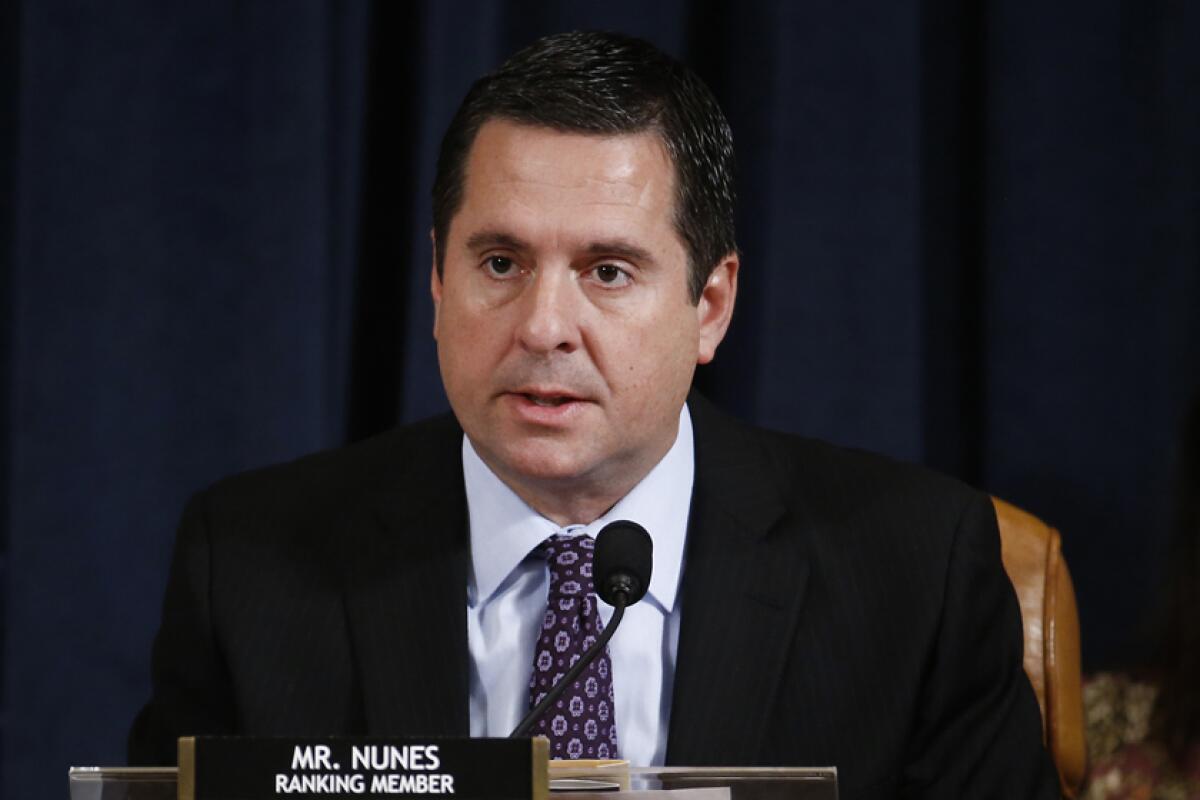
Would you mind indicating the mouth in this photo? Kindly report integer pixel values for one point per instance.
(548, 400)
(540, 401)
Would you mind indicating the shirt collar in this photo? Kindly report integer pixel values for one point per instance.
(504, 529)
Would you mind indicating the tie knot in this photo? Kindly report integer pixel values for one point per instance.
(570, 562)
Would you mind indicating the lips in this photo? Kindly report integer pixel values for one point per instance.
(547, 396)
(547, 401)
(545, 406)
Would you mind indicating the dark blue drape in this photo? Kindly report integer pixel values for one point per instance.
(971, 237)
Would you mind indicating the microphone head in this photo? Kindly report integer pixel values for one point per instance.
(622, 562)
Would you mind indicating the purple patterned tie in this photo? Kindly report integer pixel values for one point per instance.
(582, 723)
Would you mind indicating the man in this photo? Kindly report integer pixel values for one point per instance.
(809, 605)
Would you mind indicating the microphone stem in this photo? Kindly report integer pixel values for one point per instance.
(556, 691)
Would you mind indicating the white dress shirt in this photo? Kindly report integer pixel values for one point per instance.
(507, 588)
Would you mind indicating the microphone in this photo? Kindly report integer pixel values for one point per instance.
(622, 563)
(621, 569)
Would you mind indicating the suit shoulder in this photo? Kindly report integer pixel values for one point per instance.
(862, 513)
(323, 482)
(840, 485)
(845, 472)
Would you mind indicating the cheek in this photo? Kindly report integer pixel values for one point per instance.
(658, 365)
(459, 322)
(471, 347)
(458, 351)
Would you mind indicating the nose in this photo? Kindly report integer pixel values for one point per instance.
(549, 313)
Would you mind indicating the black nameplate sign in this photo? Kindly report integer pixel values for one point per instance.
(249, 768)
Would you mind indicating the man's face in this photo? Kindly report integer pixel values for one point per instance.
(566, 337)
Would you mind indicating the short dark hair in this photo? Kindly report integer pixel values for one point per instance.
(607, 84)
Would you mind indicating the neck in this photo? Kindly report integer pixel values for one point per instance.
(584, 497)
(574, 508)
(575, 500)
(578, 499)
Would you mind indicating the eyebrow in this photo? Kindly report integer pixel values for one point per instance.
(617, 248)
(484, 240)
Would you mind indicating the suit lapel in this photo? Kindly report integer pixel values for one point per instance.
(742, 589)
(404, 562)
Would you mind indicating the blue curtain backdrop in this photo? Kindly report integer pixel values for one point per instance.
(971, 236)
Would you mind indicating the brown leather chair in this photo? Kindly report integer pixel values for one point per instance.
(1032, 556)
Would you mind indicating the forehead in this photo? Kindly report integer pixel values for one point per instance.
(556, 182)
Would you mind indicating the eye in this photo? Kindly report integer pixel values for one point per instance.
(499, 266)
(610, 275)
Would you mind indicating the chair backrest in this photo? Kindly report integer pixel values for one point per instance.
(1032, 556)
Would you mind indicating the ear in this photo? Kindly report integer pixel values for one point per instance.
(435, 286)
(715, 308)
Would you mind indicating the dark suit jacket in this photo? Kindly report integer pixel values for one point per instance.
(838, 609)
